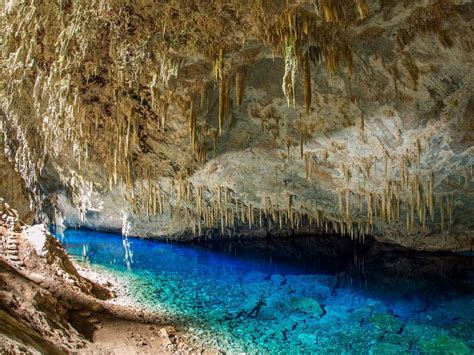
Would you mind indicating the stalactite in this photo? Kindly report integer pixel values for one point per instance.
(127, 137)
(370, 213)
(203, 97)
(339, 199)
(399, 208)
(223, 102)
(419, 194)
(407, 217)
(347, 173)
(382, 207)
(422, 219)
(290, 208)
(450, 208)
(411, 201)
(348, 205)
(362, 8)
(301, 143)
(219, 198)
(250, 215)
(221, 106)
(306, 166)
(431, 198)
(164, 113)
(227, 99)
(192, 124)
(219, 66)
(418, 151)
(290, 73)
(441, 210)
(240, 77)
(307, 82)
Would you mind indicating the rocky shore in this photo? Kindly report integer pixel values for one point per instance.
(50, 304)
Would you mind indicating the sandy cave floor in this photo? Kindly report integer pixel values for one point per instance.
(139, 332)
(49, 304)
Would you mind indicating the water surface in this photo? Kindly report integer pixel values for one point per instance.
(297, 296)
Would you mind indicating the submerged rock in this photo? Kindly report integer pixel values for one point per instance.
(306, 305)
(419, 332)
(388, 349)
(444, 345)
(464, 331)
(386, 322)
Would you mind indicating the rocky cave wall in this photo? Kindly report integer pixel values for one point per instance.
(174, 119)
(12, 187)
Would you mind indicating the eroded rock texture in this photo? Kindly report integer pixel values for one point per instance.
(181, 118)
(12, 188)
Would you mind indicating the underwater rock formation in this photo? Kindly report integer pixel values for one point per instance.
(174, 119)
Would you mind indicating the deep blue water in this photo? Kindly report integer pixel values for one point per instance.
(296, 297)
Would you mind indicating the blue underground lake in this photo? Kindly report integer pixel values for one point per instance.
(300, 295)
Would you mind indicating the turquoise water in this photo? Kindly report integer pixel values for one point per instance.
(297, 297)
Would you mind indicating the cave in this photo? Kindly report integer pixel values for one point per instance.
(237, 176)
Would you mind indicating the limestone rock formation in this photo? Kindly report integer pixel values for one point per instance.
(12, 187)
(182, 118)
